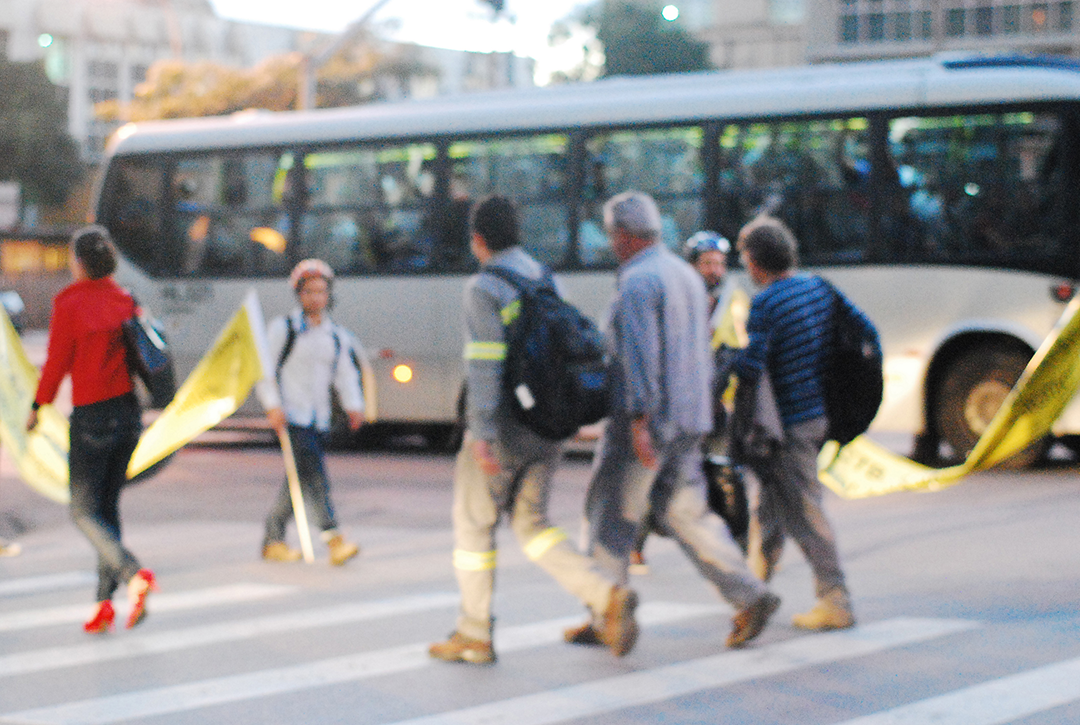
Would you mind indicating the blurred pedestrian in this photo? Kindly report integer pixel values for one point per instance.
(505, 468)
(650, 453)
(790, 318)
(86, 341)
(706, 251)
(314, 356)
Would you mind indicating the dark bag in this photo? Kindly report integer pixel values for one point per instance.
(555, 374)
(149, 359)
(727, 496)
(756, 428)
(854, 380)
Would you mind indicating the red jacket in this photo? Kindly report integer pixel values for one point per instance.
(85, 340)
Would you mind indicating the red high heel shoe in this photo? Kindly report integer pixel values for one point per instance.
(102, 621)
(139, 588)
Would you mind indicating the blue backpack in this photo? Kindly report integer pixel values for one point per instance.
(555, 374)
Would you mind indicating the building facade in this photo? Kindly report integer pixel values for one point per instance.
(864, 29)
(100, 50)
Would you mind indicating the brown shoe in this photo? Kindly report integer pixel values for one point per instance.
(830, 612)
(341, 550)
(460, 648)
(584, 634)
(620, 631)
(280, 551)
(748, 623)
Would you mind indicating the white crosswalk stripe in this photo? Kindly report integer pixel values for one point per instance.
(159, 643)
(991, 703)
(665, 683)
(350, 668)
(995, 702)
(167, 602)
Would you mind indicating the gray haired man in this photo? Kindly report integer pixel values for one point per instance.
(650, 454)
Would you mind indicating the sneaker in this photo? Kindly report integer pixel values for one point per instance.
(748, 623)
(584, 634)
(280, 551)
(637, 563)
(620, 631)
(460, 648)
(830, 612)
(341, 550)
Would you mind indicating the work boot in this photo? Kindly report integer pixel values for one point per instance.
(280, 551)
(619, 631)
(583, 634)
(833, 611)
(749, 622)
(460, 648)
(341, 550)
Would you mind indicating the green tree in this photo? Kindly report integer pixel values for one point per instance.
(35, 147)
(356, 75)
(632, 39)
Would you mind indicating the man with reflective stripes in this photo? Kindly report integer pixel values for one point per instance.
(650, 453)
(503, 467)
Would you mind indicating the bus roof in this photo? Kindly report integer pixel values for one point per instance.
(944, 80)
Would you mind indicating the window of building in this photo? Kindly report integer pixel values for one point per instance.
(876, 21)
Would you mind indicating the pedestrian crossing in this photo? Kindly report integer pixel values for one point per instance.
(605, 695)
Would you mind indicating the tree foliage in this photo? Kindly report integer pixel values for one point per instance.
(175, 89)
(629, 38)
(35, 147)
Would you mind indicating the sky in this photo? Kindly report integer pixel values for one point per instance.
(457, 24)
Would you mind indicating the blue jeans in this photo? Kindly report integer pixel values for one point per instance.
(103, 437)
(307, 445)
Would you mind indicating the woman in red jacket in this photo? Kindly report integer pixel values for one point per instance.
(87, 342)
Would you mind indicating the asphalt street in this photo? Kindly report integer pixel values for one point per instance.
(967, 602)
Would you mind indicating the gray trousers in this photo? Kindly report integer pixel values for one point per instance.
(790, 503)
(521, 489)
(622, 493)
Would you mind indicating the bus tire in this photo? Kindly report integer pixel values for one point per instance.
(972, 389)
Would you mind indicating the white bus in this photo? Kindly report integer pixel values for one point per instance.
(940, 194)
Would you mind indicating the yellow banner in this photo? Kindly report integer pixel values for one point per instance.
(40, 456)
(863, 468)
(216, 388)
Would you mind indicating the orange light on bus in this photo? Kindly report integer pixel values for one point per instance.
(402, 373)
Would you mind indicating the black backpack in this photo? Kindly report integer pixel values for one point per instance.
(555, 374)
(854, 380)
(149, 358)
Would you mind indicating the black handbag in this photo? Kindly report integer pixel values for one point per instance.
(149, 359)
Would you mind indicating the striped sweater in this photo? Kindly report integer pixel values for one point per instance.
(788, 326)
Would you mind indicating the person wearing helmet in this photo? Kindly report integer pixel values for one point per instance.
(314, 355)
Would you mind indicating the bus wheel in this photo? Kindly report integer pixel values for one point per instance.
(973, 388)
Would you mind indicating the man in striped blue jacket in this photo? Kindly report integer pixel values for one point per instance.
(789, 324)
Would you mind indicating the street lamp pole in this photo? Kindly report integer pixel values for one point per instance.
(311, 62)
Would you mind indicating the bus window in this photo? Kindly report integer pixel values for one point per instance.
(230, 214)
(813, 175)
(135, 188)
(664, 163)
(979, 189)
(367, 208)
(532, 171)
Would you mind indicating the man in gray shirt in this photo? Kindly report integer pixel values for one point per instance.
(504, 467)
(650, 454)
